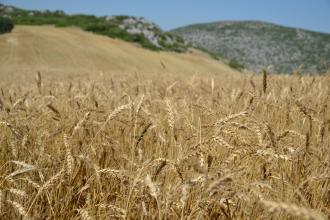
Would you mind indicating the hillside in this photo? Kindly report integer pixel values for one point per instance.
(132, 29)
(257, 45)
(47, 48)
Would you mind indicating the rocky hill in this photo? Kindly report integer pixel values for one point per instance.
(132, 29)
(257, 45)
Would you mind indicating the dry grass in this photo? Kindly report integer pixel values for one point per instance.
(47, 48)
(155, 146)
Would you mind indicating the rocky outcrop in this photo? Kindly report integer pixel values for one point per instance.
(257, 45)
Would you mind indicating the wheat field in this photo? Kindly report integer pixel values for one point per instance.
(165, 146)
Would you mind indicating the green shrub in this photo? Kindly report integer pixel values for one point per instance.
(113, 31)
(235, 64)
(215, 56)
(6, 25)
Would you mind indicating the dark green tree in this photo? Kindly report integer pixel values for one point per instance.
(6, 25)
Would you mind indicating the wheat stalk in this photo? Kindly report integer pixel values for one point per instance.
(14, 130)
(80, 124)
(23, 164)
(152, 187)
(140, 137)
(301, 212)
(19, 172)
(19, 208)
(139, 105)
(110, 117)
(1, 200)
(264, 81)
(32, 183)
(119, 212)
(185, 194)
(170, 114)
(18, 192)
(13, 149)
(39, 81)
(230, 117)
(51, 181)
(68, 156)
(85, 215)
(215, 184)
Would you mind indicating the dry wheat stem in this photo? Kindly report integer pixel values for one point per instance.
(293, 209)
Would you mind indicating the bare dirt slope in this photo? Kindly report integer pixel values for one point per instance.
(47, 48)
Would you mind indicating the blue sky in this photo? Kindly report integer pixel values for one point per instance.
(308, 14)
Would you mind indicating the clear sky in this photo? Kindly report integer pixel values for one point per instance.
(169, 14)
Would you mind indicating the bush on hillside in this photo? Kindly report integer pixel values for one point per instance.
(235, 65)
(114, 31)
(6, 25)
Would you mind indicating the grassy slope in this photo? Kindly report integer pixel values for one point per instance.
(47, 48)
(98, 25)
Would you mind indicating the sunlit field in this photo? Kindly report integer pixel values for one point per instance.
(165, 146)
